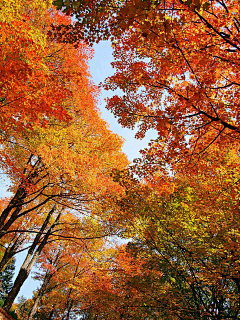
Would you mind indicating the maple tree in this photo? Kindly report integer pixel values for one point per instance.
(177, 65)
(84, 133)
(182, 259)
(62, 161)
(28, 95)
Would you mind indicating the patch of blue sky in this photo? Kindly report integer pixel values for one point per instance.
(100, 69)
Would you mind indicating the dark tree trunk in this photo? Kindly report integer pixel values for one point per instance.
(11, 250)
(17, 202)
(41, 292)
(30, 260)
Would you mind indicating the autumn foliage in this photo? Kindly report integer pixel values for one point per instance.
(158, 239)
(55, 148)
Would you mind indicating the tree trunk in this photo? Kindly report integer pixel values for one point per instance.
(11, 250)
(69, 302)
(30, 260)
(39, 296)
(69, 310)
(17, 202)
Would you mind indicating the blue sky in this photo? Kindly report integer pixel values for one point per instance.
(100, 68)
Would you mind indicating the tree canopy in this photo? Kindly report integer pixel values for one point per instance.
(157, 239)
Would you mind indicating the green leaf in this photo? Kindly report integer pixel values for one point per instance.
(58, 4)
(67, 3)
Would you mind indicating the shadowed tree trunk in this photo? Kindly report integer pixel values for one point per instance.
(32, 256)
(41, 292)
